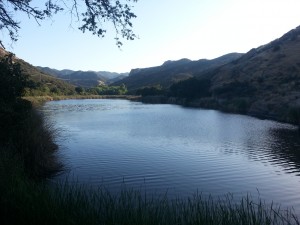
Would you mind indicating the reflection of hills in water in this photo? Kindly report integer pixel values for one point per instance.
(283, 150)
(286, 150)
(168, 147)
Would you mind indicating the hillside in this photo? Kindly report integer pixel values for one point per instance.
(264, 82)
(267, 78)
(84, 78)
(42, 83)
(172, 71)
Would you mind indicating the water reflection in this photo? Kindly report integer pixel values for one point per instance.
(286, 149)
(168, 147)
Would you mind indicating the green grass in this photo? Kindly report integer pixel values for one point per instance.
(24, 201)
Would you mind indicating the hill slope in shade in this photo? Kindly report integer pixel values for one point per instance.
(172, 71)
(266, 80)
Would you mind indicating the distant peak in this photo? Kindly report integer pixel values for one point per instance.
(180, 61)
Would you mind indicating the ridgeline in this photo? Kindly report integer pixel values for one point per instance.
(264, 82)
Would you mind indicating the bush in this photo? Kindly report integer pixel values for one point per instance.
(22, 129)
(13, 82)
(108, 90)
(236, 88)
(150, 91)
(191, 88)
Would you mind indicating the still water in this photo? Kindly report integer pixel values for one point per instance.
(175, 149)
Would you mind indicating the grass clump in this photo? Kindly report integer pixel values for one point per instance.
(26, 202)
(24, 132)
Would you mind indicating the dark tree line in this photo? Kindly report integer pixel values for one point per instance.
(13, 82)
(191, 88)
(151, 91)
(12, 107)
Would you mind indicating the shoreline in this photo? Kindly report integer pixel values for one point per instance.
(206, 103)
(38, 100)
(210, 103)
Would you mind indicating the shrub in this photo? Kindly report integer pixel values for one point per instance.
(108, 90)
(22, 129)
(150, 91)
(191, 88)
(13, 82)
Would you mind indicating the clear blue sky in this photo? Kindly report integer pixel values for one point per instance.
(167, 30)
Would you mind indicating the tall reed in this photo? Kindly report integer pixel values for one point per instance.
(32, 203)
(24, 131)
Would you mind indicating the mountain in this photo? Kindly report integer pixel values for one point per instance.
(172, 71)
(111, 75)
(116, 79)
(264, 82)
(42, 83)
(267, 78)
(84, 78)
(54, 72)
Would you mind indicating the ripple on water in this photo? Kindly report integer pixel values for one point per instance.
(167, 147)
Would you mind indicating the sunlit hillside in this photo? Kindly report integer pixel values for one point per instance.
(42, 83)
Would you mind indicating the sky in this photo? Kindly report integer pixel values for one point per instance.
(167, 30)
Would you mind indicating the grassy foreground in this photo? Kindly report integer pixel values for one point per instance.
(26, 202)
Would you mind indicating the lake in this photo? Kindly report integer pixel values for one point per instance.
(181, 151)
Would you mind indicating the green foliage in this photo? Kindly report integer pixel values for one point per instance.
(108, 90)
(151, 91)
(13, 82)
(49, 89)
(26, 134)
(44, 85)
(19, 78)
(191, 88)
(22, 129)
(79, 90)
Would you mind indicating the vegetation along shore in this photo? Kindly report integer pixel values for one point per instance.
(264, 82)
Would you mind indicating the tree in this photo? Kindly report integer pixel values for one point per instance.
(79, 90)
(13, 82)
(191, 88)
(150, 91)
(90, 15)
